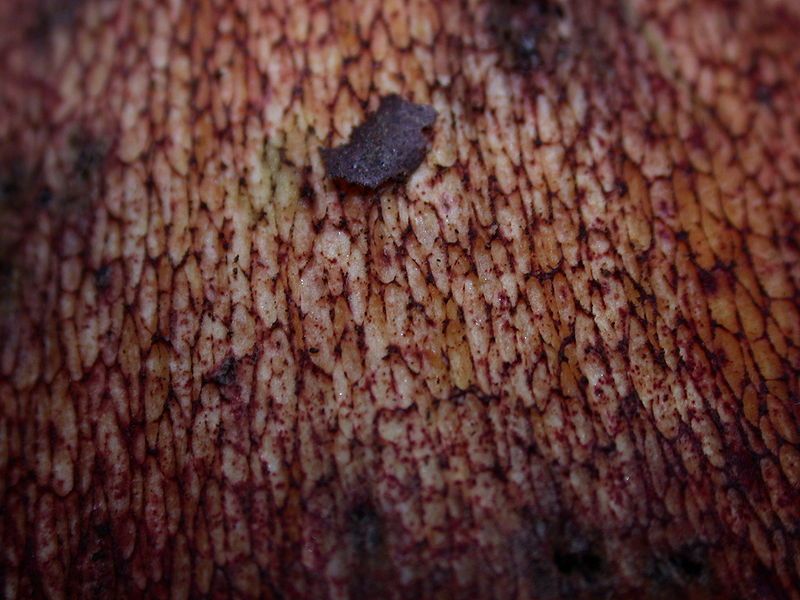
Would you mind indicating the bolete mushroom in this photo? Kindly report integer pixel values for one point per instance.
(553, 352)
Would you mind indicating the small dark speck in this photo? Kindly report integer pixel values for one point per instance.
(102, 277)
(708, 281)
(389, 145)
(689, 565)
(764, 94)
(6, 270)
(90, 154)
(45, 197)
(313, 350)
(99, 555)
(11, 176)
(225, 374)
(307, 191)
(366, 529)
(585, 564)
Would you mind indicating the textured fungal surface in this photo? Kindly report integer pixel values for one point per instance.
(389, 145)
(560, 360)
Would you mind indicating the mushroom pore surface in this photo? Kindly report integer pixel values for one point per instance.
(559, 360)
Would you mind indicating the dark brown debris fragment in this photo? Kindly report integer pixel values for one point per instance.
(389, 145)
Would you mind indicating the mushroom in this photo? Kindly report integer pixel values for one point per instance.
(554, 353)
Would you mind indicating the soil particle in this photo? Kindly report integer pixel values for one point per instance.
(389, 145)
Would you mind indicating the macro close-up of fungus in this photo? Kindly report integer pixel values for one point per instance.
(400, 299)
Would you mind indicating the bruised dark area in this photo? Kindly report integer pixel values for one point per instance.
(389, 145)
(102, 277)
(20, 185)
(87, 155)
(24, 189)
(33, 25)
(46, 15)
(25, 195)
(8, 283)
(529, 32)
(561, 559)
(366, 536)
(95, 576)
(225, 373)
(683, 572)
(18, 191)
(564, 559)
(551, 38)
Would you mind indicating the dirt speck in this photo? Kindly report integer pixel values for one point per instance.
(225, 373)
(389, 145)
(102, 277)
